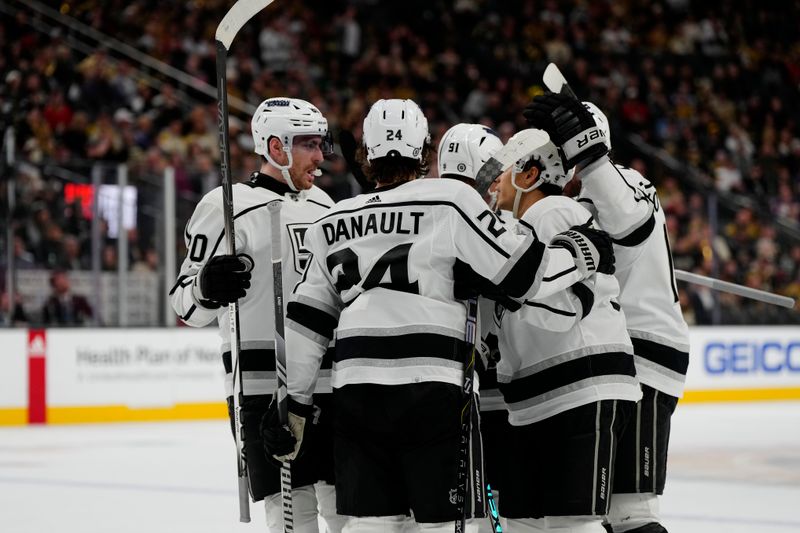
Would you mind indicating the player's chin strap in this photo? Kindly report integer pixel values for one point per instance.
(287, 148)
(517, 169)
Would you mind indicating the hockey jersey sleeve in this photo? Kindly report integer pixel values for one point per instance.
(201, 238)
(622, 199)
(312, 315)
(522, 266)
(561, 310)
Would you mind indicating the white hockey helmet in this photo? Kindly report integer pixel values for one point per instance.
(395, 128)
(464, 149)
(601, 121)
(540, 149)
(287, 118)
(545, 153)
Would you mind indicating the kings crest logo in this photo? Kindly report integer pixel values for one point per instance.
(297, 235)
(453, 496)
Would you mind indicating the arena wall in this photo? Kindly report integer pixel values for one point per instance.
(63, 376)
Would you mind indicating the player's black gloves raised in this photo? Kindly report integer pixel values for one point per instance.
(592, 249)
(224, 279)
(284, 442)
(571, 127)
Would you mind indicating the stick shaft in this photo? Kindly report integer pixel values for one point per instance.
(734, 288)
(233, 308)
(464, 476)
(274, 209)
(494, 515)
(236, 17)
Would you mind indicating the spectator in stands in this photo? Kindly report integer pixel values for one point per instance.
(723, 99)
(63, 308)
(19, 318)
(23, 259)
(71, 254)
(147, 263)
(108, 257)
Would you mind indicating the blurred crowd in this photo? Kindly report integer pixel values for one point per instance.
(714, 85)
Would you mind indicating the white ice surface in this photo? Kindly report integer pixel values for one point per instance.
(734, 468)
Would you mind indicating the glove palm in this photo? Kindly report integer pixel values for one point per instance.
(571, 127)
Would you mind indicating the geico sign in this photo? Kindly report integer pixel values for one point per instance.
(743, 357)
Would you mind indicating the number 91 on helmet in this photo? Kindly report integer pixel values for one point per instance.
(464, 149)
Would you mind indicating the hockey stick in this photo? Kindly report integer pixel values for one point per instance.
(231, 23)
(464, 477)
(555, 81)
(494, 516)
(735, 288)
(274, 208)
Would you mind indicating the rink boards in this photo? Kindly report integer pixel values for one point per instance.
(63, 376)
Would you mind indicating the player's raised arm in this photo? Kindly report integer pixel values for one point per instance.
(524, 267)
(622, 198)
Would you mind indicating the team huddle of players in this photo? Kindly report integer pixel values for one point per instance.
(582, 347)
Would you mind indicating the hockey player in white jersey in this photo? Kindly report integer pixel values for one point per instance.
(569, 382)
(381, 276)
(291, 135)
(463, 150)
(626, 205)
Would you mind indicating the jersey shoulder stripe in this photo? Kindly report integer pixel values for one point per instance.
(309, 200)
(238, 215)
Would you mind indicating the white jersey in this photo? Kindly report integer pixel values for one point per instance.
(581, 354)
(382, 272)
(626, 206)
(205, 238)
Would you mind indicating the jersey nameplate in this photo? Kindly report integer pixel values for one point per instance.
(373, 223)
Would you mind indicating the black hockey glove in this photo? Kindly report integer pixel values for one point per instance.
(468, 284)
(592, 249)
(348, 144)
(224, 279)
(571, 127)
(284, 443)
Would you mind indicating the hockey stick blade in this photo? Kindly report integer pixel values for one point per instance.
(734, 288)
(522, 144)
(236, 17)
(555, 81)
